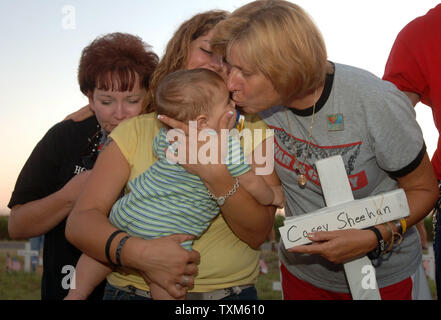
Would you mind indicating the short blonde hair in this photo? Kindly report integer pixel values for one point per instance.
(185, 94)
(279, 39)
(178, 48)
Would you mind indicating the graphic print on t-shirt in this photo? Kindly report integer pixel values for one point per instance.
(293, 159)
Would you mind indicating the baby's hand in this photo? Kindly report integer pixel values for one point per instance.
(279, 197)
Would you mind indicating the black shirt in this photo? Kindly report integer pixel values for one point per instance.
(58, 157)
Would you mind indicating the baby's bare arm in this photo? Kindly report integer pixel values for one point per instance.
(89, 273)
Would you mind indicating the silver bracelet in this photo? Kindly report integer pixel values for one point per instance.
(221, 200)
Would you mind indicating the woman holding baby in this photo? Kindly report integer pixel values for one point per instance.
(229, 263)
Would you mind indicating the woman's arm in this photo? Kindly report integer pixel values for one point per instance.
(262, 181)
(249, 220)
(253, 225)
(37, 204)
(413, 97)
(421, 190)
(80, 115)
(162, 261)
(39, 216)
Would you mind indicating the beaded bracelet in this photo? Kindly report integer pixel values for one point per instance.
(108, 243)
(389, 244)
(396, 238)
(374, 254)
(118, 250)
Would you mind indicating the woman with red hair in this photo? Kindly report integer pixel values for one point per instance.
(114, 73)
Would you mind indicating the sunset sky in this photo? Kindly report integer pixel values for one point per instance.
(41, 43)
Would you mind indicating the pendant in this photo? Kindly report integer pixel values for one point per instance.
(302, 181)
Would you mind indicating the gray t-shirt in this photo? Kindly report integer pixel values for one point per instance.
(372, 125)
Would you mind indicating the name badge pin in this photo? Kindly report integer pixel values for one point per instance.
(335, 122)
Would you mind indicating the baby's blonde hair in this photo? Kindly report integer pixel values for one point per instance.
(185, 94)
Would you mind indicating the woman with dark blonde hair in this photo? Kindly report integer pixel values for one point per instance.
(189, 48)
(229, 263)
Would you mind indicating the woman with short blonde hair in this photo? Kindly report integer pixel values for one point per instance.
(319, 109)
(291, 43)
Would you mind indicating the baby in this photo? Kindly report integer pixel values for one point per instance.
(166, 199)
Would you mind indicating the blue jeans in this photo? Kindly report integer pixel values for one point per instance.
(437, 245)
(112, 293)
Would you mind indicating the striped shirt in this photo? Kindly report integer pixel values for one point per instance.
(166, 199)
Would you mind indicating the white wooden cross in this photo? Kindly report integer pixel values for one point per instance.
(28, 253)
(343, 212)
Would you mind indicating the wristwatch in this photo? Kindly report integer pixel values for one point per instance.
(221, 200)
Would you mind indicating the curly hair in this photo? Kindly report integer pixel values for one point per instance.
(177, 50)
(111, 61)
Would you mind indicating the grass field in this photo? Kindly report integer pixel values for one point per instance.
(18, 285)
(264, 284)
(26, 286)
